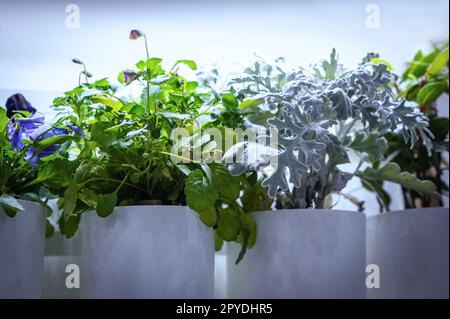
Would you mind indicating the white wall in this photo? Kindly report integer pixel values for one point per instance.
(36, 46)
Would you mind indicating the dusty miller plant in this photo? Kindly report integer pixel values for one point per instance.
(323, 116)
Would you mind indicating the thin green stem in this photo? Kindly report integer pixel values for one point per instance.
(85, 74)
(147, 72)
(112, 180)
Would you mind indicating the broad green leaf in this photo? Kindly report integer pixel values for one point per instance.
(68, 227)
(190, 86)
(81, 172)
(153, 64)
(52, 141)
(381, 61)
(218, 242)
(70, 200)
(431, 92)
(255, 198)
(248, 222)
(250, 103)
(418, 56)
(229, 225)
(136, 177)
(411, 93)
(49, 229)
(3, 119)
(200, 194)
(44, 193)
(121, 78)
(56, 172)
(101, 136)
(391, 172)
(88, 197)
(337, 152)
(419, 67)
(209, 216)
(245, 236)
(141, 65)
(191, 64)
(229, 101)
(439, 62)
(106, 204)
(439, 126)
(114, 104)
(137, 110)
(10, 205)
(373, 146)
(101, 83)
(228, 186)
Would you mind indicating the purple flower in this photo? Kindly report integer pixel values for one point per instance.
(135, 34)
(129, 77)
(34, 129)
(33, 158)
(17, 102)
(10, 128)
(24, 126)
(44, 132)
(16, 139)
(77, 130)
(29, 124)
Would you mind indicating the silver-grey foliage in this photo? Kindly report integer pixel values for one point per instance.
(320, 117)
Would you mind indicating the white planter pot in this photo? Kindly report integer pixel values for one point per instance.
(147, 252)
(22, 252)
(411, 249)
(302, 254)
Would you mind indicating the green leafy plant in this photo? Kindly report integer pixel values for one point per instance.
(126, 156)
(422, 83)
(319, 118)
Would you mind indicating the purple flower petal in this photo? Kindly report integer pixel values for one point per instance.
(129, 77)
(58, 131)
(31, 157)
(36, 118)
(39, 132)
(135, 34)
(10, 128)
(77, 130)
(16, 140)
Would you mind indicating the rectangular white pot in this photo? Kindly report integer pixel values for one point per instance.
(22, 252)
(411, 249)
(147, 252)
(302, 254)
